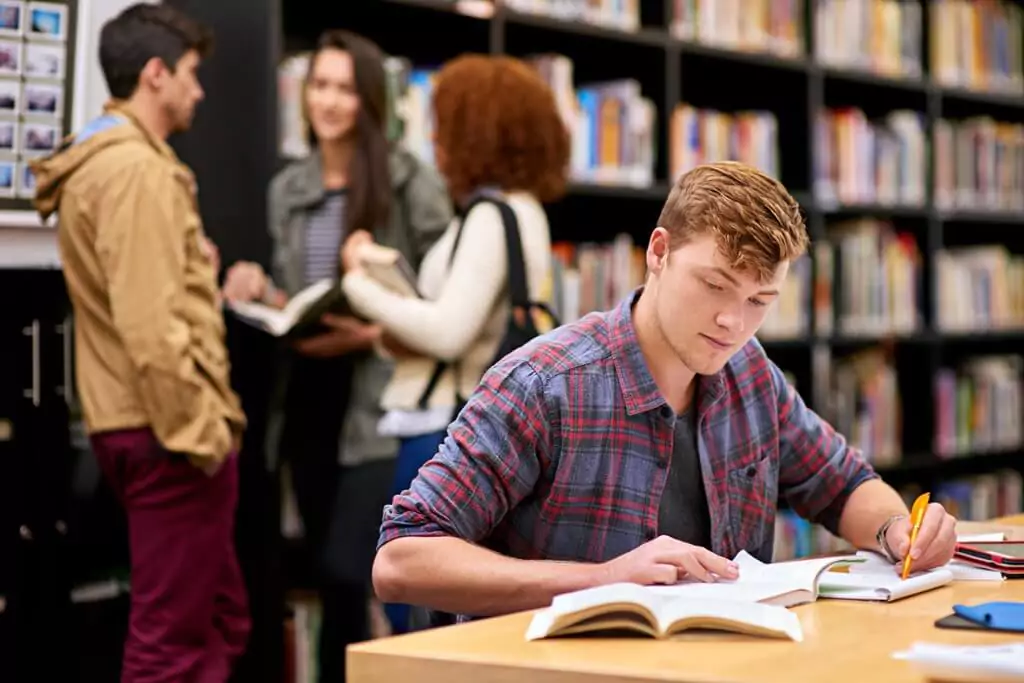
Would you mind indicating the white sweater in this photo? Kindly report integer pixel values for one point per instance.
(464, 312)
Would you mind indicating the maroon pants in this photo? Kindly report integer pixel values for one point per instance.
(189, 610)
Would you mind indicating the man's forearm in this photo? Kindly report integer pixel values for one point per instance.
(451, 575)
(866, 510)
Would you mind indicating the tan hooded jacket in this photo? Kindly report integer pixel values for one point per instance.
(149, 332)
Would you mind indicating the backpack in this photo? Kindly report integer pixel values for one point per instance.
(521, 326)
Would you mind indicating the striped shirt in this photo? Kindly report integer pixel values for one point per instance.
(324, 232)
(563, 452)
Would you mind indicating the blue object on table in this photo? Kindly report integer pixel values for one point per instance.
(1001, 616)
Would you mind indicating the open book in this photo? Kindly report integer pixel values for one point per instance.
(631, 608)
(301, 315)
(781, 583)
(390, 268)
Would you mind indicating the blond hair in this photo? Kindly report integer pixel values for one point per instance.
(756, 222)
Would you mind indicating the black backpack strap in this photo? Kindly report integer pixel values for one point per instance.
(516, 274)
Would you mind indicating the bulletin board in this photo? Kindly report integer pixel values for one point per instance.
(37, 68)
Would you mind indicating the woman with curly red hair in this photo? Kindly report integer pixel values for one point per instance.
(498, 132)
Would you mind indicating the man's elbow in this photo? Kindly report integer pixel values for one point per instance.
(387, 575)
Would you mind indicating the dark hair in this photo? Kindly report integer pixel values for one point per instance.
(369, 177)
(140, 33)
(498, 123)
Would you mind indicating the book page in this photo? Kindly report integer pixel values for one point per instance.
(584, 604)
(279, 321)
(759, 582)
(730, 615)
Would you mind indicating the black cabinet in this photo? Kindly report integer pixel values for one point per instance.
(34, 473)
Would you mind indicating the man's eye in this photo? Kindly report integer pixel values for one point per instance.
(713, 286)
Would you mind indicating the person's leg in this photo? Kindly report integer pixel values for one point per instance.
(180, 535)
(413, 452)
(231, 619)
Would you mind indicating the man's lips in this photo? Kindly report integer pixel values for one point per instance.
(717, 343)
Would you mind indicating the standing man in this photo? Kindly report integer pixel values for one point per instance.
(152, 367)
(647, 443)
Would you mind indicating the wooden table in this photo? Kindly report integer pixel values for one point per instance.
(844, 642)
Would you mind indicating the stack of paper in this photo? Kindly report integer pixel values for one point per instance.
(967, 662)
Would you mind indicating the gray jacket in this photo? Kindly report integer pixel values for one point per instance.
(419, 215)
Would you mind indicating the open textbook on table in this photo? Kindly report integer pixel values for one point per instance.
(754, 603)
(632, 608)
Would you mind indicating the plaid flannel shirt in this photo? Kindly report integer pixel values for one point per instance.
(562, 453)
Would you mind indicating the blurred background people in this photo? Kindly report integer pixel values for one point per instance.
(497, 132)
(354, 180)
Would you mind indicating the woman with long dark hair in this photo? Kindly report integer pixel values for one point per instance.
(354, 180)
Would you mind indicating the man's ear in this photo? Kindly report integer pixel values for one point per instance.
(658, 248)
(153, 73)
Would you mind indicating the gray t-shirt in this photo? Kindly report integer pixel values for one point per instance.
(683, 513)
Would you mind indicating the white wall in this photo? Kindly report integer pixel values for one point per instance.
(23, 240)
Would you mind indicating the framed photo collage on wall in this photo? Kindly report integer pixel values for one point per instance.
(37, 65)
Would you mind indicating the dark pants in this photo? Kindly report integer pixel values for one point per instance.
(189, 616)
(340, 506)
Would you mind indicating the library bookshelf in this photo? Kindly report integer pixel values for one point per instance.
(899, 128)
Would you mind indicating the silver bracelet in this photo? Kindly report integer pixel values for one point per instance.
(882, 541)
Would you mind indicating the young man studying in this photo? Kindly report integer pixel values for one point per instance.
(647, 443)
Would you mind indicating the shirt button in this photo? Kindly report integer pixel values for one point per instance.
(662, 464)
(751, 471)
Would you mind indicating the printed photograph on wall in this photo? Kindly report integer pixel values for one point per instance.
(7, 178)
(47, 20)
(12, 18)
(10, 98)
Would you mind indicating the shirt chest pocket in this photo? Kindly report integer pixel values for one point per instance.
(752, 489)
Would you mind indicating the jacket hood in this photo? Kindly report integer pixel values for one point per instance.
(52, 172)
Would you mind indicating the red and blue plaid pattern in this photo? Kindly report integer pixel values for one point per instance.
(562, 452)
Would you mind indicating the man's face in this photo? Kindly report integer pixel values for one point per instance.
(180, 92)
(705, 310)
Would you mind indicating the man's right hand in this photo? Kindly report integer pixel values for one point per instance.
(666, 560)
(245, 281)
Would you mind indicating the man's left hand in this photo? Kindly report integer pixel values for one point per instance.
(935, 542)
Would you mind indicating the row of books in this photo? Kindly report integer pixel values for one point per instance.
(979, 164)
(698, 136)
(872, 273)
(973, 45)
(862, 402)
(976, 498)
(866, 279)
(620, 14)
(879, 36)
(858, 160)
(977, 45)
(773, 26)
(979, 288)
(978, 406)
(613, 126)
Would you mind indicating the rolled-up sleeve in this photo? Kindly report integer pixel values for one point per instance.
(141, 241)
(490, 460)
(819, 469)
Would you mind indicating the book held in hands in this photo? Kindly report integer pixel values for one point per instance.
(299, 317)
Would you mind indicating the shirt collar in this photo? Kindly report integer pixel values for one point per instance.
(639, 389)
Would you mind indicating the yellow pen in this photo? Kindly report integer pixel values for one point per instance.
(916, 517)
